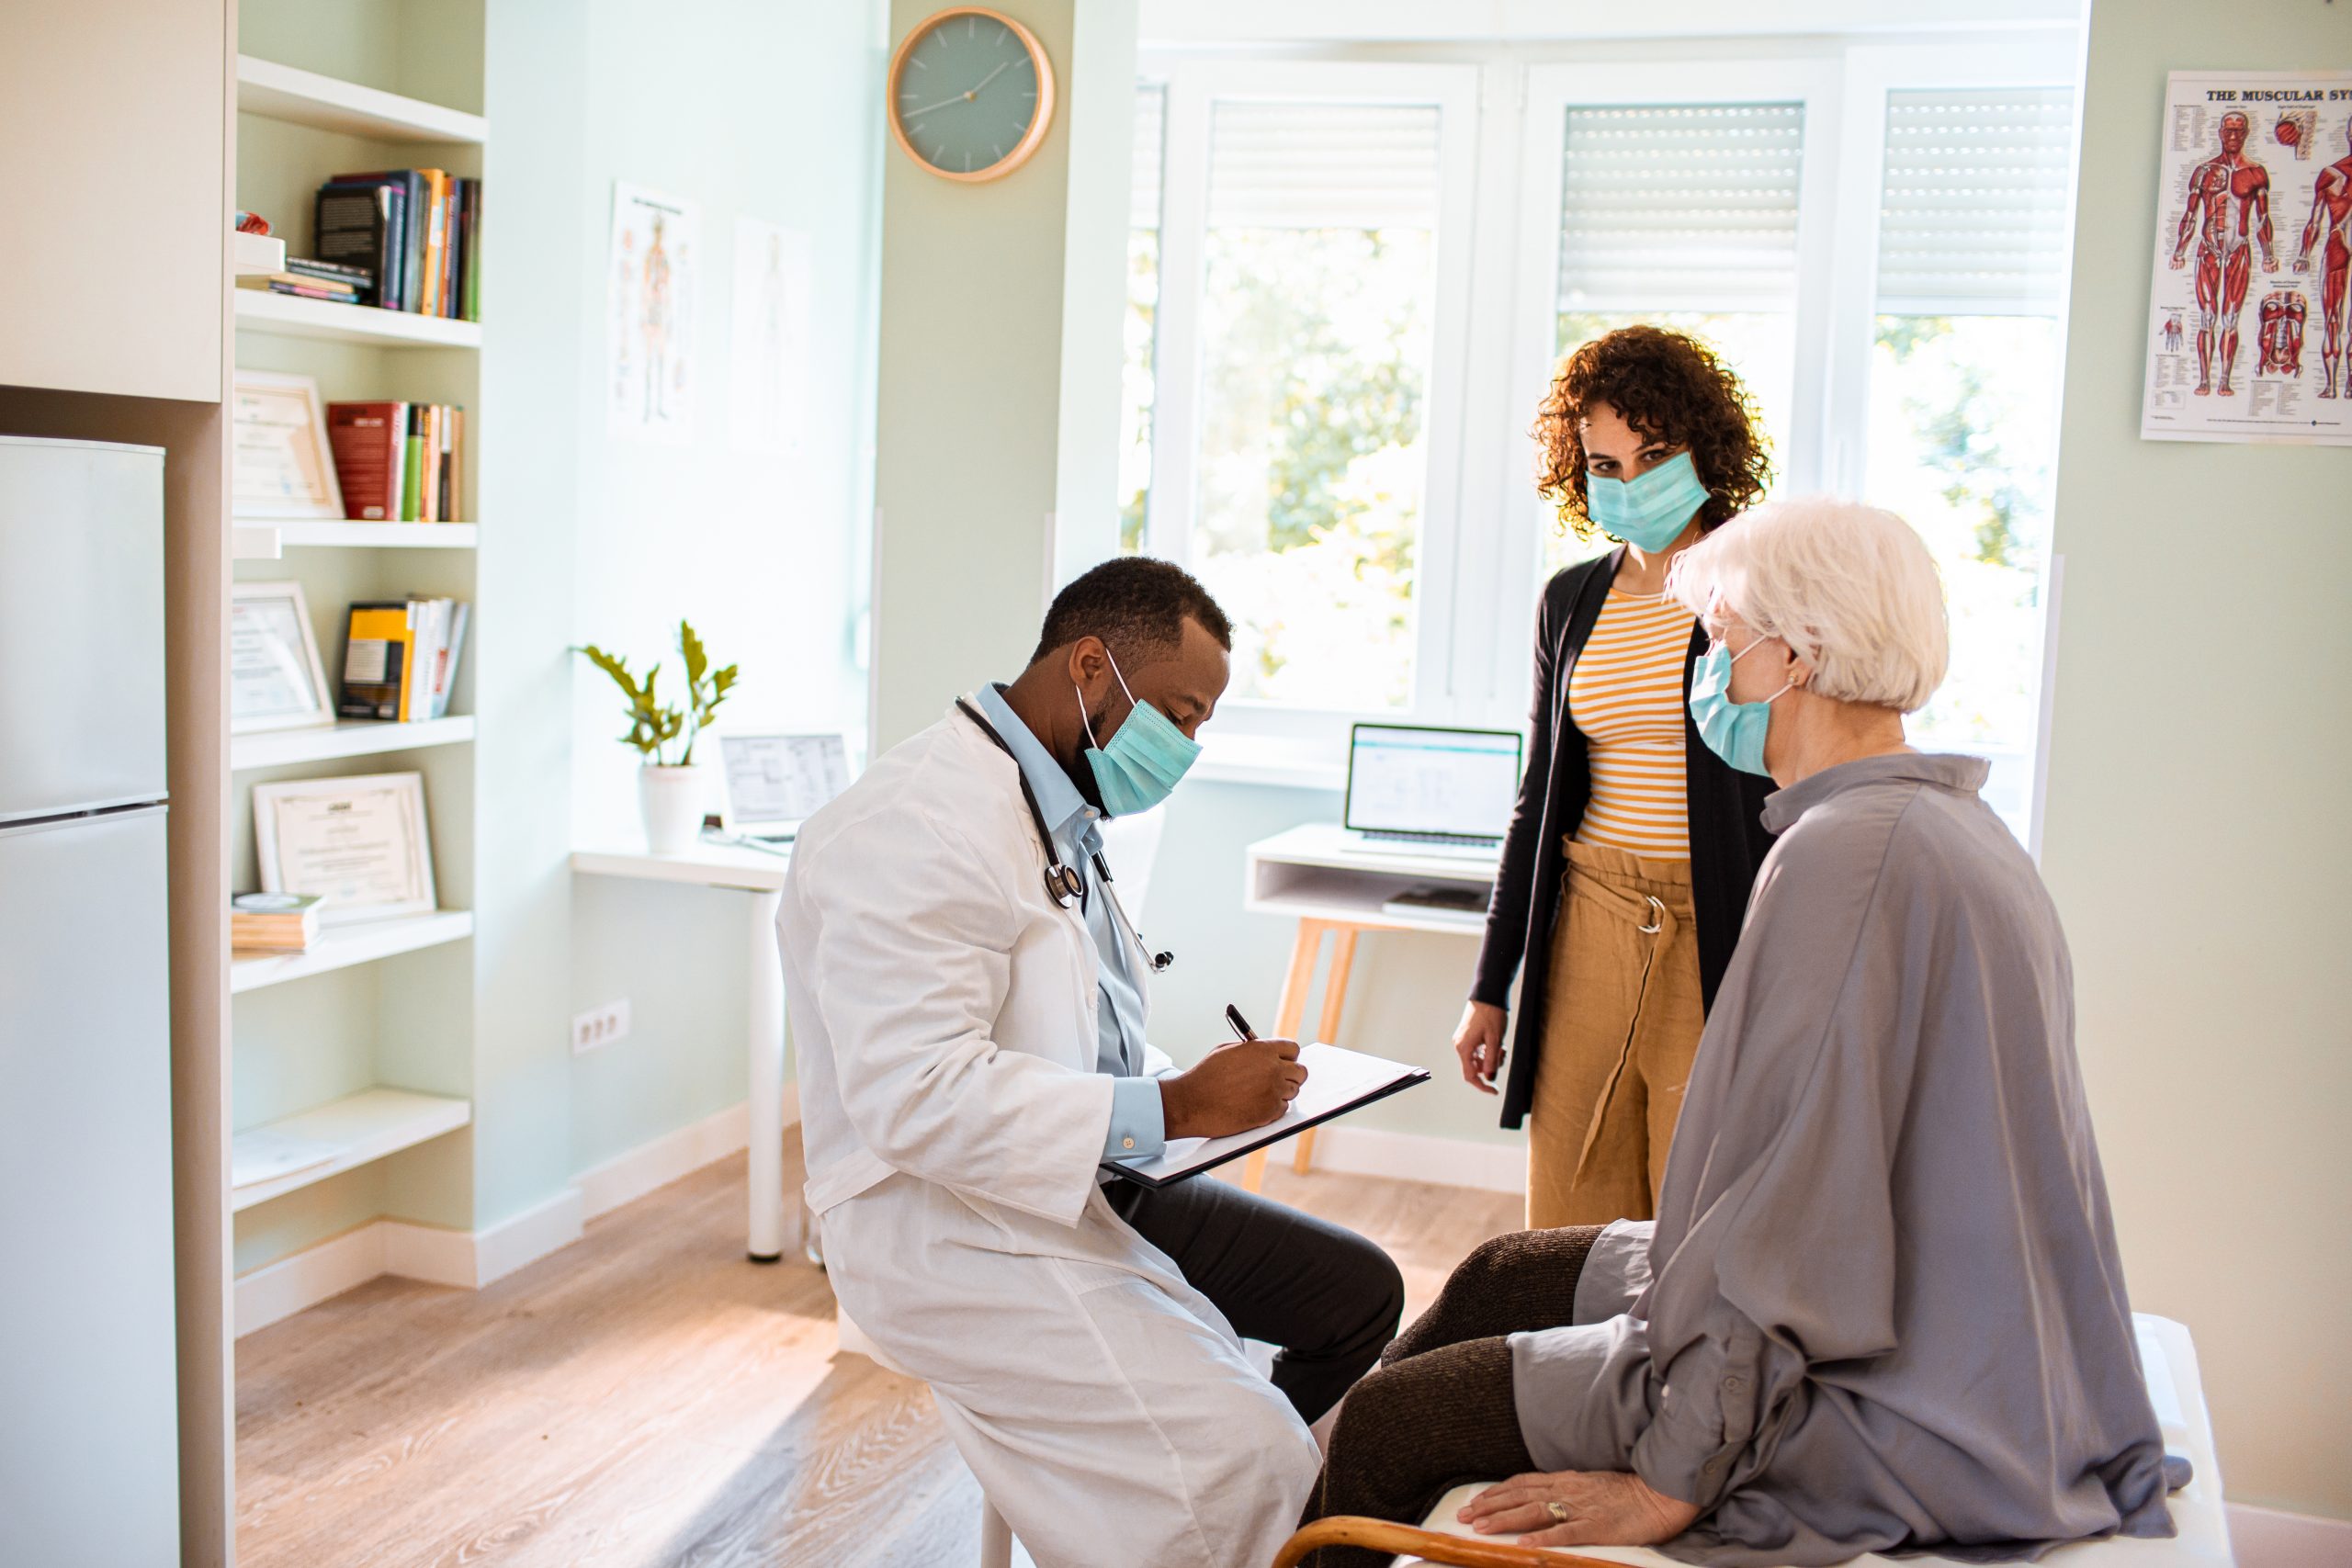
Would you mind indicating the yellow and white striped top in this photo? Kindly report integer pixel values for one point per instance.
(1625, 694)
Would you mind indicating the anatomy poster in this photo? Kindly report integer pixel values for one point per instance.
(773, 282)
(650, 298)
(2247, 333)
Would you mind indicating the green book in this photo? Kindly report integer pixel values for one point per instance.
(413, 468)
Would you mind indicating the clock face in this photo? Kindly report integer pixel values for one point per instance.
(968, 97)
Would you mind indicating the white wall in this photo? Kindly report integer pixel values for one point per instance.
(2195, 836)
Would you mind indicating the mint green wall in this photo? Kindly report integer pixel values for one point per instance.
(2196, 837)
(755, 109)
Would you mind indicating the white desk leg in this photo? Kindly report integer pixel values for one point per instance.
(765, 1042)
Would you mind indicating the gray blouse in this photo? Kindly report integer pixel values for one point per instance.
(1881, 1309)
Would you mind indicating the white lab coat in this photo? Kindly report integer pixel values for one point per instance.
(944, 1019)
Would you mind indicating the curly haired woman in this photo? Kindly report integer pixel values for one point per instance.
(1630, 854)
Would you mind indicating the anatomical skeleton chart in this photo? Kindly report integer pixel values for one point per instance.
(2253, 260)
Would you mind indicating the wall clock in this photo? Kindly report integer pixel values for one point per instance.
(971, 94)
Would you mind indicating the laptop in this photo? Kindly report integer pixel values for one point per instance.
(1414, 789)
(775, 782)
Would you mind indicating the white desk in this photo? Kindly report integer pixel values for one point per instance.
(762, 875)
(1330, 882)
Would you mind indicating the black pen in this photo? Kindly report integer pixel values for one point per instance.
(1240, 1024)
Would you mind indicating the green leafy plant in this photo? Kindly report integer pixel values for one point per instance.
(654, 726)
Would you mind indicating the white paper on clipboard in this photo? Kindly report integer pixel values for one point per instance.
(1338, 1080)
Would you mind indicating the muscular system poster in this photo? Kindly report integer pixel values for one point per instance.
(2248, 337)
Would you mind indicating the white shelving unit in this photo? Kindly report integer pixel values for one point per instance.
(323, 103)
(347, 738)
(268, 538)
(258, 309)
(351, 1132)
(339, 947)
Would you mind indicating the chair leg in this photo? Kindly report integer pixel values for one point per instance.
(996, 1537)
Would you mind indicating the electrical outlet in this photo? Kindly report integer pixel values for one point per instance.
(599, 1026)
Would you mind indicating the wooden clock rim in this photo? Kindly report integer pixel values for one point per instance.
(1038, 125)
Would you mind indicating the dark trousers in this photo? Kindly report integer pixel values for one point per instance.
(1324, 1296)
(1440, 1410)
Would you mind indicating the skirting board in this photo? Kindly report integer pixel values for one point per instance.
(1417, 1156)
(472, 1259)
(2265, 1538)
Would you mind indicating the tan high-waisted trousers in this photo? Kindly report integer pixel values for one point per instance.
(1621, 1029)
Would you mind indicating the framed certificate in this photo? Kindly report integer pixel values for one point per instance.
(280, 464)
(360, 845)
(276, 681)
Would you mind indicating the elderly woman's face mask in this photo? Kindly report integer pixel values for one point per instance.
(1733, 732)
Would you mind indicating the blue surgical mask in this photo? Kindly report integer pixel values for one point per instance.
(1147, 755)
(1648, 511)
(1733, 732)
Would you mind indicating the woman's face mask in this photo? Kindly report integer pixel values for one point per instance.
(1147, 756)
(1648, 511)
(1733, 732)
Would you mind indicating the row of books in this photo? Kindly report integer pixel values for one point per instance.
(401, 657)
(315, 280)
(399, 462)
(413, 231)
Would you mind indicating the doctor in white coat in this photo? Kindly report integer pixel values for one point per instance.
(967, 1005)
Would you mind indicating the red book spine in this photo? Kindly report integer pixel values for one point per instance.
(366, 440)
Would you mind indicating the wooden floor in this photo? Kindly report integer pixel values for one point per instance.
(648, 1398)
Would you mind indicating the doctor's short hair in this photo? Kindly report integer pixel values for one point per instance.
(1137, 605)
(1851, 588)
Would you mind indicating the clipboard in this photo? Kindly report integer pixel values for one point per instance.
(1351, 1080)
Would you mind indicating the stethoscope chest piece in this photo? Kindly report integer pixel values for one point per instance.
(1063, 884)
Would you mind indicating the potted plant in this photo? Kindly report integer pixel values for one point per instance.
(669, 781)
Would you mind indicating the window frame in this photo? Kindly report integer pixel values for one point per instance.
(1501, 151)
(1195, 87)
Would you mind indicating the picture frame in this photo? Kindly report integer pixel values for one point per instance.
(275, 678)
(281, 463)
(362, 844)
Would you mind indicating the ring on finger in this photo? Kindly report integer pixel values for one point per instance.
(1558, 1510)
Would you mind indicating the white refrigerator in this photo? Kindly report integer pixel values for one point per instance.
(88, 1427)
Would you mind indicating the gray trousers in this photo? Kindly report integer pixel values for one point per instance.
(1326, 1297)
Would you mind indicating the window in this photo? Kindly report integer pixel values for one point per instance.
(1963, 391)
(1319, 267)
(1684, 216)
(1142, 334)
(1350, 282)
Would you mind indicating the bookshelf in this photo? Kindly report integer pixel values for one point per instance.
(277, 91)
(355, 1130)
(293, 316)
(342, 946)
(363, 1046)
(347, 737)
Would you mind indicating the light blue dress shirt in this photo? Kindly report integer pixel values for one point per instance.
(1138, 1123)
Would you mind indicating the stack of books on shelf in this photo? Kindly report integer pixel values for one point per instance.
(399, 462)
(413, 231)
(400, 659)
(273, 923)
(315, 280)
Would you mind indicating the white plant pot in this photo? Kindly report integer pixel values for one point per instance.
(670, 800)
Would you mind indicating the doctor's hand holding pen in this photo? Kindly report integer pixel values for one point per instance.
(1243, 1084)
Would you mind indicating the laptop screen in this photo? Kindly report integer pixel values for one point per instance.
(1406, 779)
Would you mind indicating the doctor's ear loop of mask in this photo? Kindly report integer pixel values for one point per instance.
(1064, 886)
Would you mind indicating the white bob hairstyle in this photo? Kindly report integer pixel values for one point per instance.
(1851, 588)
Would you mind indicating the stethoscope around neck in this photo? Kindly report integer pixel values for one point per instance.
(1065, 884)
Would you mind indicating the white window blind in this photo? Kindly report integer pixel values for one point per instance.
(1151, 129)
(1687, 206)
(1318, 165)
(1973, 217)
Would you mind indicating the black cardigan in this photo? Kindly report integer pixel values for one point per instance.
(1727, 836)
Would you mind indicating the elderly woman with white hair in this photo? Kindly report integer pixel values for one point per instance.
(1879, 1309)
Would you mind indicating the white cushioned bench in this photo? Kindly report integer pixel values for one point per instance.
(2203, 1541)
